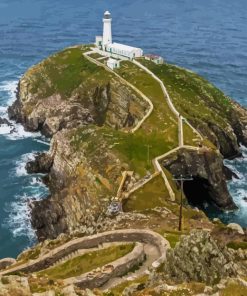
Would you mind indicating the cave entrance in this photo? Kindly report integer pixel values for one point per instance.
(197, 192)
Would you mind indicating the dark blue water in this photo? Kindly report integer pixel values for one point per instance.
(209, 37)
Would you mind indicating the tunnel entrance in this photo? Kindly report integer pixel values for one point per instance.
(197, 192)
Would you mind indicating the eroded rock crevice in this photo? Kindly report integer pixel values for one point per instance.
(207, 170)
(197, 191)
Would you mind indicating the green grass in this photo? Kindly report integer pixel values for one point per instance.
(40, 284)
(64, 72)
(5, 280)
(96, 55)
(193, 96)
(130, 148)
(173, 238)
(154, 194)
(161, 120)
(87, 262)
(151, 195)
(68, 73)
(234, 289)
(118, 290)
(134, 149)
(190, 137)
(237, 245)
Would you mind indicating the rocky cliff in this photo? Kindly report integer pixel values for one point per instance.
(208, 183)
(89, 113)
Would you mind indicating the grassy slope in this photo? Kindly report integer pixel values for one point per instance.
(64, 72)
(192, 95)
(68, 71)
(87, 262)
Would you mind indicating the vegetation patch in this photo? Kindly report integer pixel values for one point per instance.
(5, 280)
(237, 245)
(96, 55)
(64, 72)
(193, 96)
(118, 290)
(40, 284)
(151, 195)
(30, 254)
(161, 120)
(234, 289)
(87, 262)
(173, 238)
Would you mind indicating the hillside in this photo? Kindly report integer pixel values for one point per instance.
(121, 137)
(92, 115)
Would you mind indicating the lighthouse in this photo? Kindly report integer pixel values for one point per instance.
(116, 51)
(107, 34)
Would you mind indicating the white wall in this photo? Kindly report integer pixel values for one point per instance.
(107, 34)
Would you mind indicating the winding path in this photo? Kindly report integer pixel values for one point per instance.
(148, 243)
(150, 249)
(151, 107)
(180, 118)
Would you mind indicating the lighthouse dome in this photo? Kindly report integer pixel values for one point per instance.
(107, 15)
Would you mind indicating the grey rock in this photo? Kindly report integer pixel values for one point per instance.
(198, 257)
(206, 168)
(236, 227)
(6, 262)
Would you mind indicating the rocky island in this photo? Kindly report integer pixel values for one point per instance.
(119, 138)
(90, 114)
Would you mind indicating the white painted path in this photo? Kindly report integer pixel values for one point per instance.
(180, 118)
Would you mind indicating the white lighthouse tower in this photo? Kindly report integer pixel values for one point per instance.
(114, 51)
(107, 34)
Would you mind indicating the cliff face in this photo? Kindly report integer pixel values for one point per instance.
(110, 103)
(88, 111)
(208, 182)
(215, 115)
(79, 184)
(228, 138)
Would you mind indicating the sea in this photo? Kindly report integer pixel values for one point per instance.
(208, 37)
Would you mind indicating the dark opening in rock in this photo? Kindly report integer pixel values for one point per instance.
(197, 191)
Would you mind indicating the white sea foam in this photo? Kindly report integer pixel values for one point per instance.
(237, 187)
(36, 181)
(10, 88)
(19, 218)
(3, 111)
(20, 169)
(17, 132)
(19, 214)
(18, 221)
(42, 142)
(5, 129)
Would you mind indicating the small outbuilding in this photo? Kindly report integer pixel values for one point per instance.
(99, 41)
(154, 58)
(124, 50)
(113, 63)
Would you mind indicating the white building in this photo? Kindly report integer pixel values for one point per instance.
(105, 42)
(154, 58)
(107, 34)
(113, 63)
(99, 41)
(124, 50)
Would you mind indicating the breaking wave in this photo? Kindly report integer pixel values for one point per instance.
(18, 219)
(20, 169)
(9, 88)
(15, 131)
(237, 188)
(19, 213)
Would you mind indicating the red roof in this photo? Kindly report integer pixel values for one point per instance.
(152, 56)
